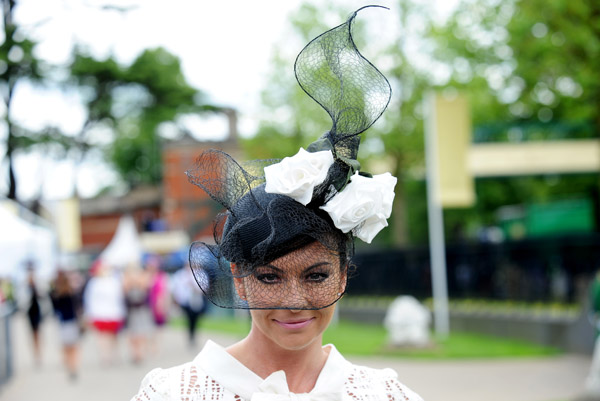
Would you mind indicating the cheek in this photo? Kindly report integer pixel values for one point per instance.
(258, 314)
(326, 316)
(260, 319)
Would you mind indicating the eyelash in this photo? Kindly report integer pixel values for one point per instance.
(272, 278)
(268, 278)
(317, 277)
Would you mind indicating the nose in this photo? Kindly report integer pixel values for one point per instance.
(297, 296)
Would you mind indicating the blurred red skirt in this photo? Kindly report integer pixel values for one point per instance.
(108, 326)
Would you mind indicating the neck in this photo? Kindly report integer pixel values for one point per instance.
(263, 356)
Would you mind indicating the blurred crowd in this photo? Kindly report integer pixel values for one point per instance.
(109, 303)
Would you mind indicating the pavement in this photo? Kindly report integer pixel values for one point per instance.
(556, 378)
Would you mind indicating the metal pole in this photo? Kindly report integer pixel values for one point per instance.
(5, 340)
(437, 248)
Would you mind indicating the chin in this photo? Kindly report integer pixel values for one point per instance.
(297, 342)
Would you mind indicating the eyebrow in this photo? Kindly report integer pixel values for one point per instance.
(303, 271)
(272, 267)
(309, 268)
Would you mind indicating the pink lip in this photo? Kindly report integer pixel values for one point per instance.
(295, 324)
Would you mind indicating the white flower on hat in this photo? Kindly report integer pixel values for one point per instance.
(363, 206)
(297, 176)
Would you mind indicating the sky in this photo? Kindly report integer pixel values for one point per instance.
(224, 46)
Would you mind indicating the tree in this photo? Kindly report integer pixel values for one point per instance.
(294, 120)
(402, 134)
(97, 81)
(130, 103)
(531, 71)
(17, 65)
(125, 105)
(536, 58)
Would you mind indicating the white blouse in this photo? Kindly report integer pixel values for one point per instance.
(217, 376)
(103, 299)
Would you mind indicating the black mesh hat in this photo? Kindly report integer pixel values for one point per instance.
(287, 234)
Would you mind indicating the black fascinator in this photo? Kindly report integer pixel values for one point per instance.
(317, 200)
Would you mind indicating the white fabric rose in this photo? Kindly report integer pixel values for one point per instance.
(297, 176)
(363, 206)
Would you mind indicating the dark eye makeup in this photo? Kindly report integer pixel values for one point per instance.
(268, 278)
(317, 276)
(316, 273)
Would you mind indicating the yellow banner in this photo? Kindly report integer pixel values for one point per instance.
(453, 140)
(68, 225)
(536, 157)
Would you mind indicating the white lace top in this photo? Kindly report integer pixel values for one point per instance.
(217, 376)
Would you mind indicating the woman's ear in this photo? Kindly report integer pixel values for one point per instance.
(238, 282)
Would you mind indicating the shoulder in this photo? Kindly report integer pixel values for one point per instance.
(168, 384)
(365, 381)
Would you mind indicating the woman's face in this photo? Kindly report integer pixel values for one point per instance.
(303, 285)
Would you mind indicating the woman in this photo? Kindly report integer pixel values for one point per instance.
(66, 303)
(34, 312)
(190, 299)
(104, 308)
(284, 245)
(159, 300)
(140, 324)
(159, 297)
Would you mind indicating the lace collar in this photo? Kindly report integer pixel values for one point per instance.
(217, 363)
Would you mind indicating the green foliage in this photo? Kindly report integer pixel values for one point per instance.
(545, 310)
(361, 339)
(132, 101)
(97, 79)
(416, 211)
(556, 45)
(294, 119)
(531, 72)
(536, 58)
(17, 58)
(402, 134)
(18, 64)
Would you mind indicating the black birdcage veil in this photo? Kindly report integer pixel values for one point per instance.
(270, 251)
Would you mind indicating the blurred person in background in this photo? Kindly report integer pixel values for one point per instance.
(285, 244)
(66, 301)
(190, 298)
(159, 293)
(104, 309)
(34, 311)
(140, 325)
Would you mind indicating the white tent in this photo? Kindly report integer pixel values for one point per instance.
(22, 241)
(125, 247)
